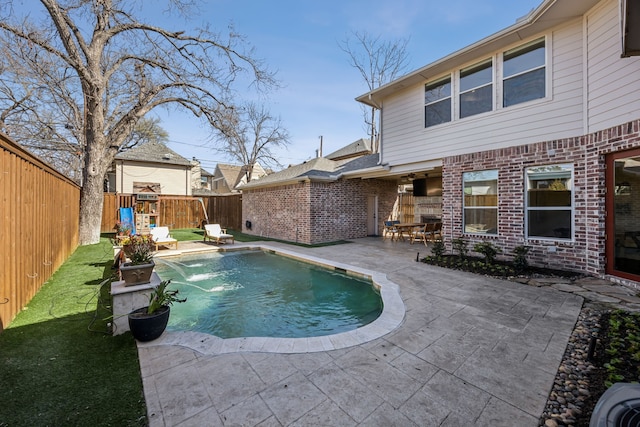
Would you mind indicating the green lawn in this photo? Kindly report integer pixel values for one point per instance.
(59, 364)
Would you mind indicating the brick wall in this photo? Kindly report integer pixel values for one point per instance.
(316, 212)
(587, 252)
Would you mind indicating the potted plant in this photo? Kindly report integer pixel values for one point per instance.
(139, 251)
(122, 229)
(148, 323)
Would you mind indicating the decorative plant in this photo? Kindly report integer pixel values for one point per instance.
(161, 297)
(438, 249)
(488, 250)
(122, 229)
(460, 246)
(139, 249)
(520, 258)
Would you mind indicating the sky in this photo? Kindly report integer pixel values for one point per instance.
(299, 40)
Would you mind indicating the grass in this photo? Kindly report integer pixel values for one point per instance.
(58, 363)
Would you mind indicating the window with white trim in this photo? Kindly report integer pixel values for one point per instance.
(437, 100)
(480, 202)
(524, 70)
(522, 78)
(476, 89)
(549, 202)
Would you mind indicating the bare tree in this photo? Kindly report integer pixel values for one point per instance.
(146, 130)
(99, 69)
(378, 62)
(249, 134)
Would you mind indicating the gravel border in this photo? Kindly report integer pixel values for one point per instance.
(578, 384)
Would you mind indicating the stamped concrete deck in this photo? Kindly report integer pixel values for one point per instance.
(471, 350)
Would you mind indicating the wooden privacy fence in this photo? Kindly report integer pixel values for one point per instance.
(405, 207)
(39, 225)
(180, 211)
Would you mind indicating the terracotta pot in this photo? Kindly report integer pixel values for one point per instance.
(147, 327)
(139, 274)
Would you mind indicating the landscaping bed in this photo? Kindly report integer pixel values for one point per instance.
(604, 347)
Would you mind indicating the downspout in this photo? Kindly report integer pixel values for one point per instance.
(379, 107)
(121, 176)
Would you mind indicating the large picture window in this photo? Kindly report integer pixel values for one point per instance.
(549, 202)
(524, 73)
(476, 89)
(480, 203)
(437, 99)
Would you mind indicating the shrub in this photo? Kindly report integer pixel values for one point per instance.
(438, 249)
(488, 249)
(520, 258)
(460, 246)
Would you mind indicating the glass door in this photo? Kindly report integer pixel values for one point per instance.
(623, 214)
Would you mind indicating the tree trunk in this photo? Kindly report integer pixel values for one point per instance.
(96, 162)
(91, 201)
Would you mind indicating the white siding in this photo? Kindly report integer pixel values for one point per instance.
(558, 116)
(614, 82)
(173, 179)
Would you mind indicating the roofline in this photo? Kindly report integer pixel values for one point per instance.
(184, 165)
(297, 180)
(547, 15)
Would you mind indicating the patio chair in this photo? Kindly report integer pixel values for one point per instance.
(422, 233)
(390, 228)
(216, 233)
(161, 237)
(437, 232)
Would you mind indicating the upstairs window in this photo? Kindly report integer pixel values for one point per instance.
(549, 202)
(524, 73)
(480, 203)
(476, 89)
(437, 99)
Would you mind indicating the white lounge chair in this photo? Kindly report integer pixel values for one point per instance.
(217, 233)
(161, 237)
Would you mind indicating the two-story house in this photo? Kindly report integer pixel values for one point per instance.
(534, 135)
(151, 167)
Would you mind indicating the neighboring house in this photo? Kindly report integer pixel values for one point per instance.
(359, 148)
(201, 179)
(535, 133)
(316, 202)
(150, 167)
(226, 178)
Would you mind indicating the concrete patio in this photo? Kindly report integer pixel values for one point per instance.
(471, 350)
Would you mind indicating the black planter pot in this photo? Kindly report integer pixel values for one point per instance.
(148, 327)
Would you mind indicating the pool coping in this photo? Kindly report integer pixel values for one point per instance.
(392, 316)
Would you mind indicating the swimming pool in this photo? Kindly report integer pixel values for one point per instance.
(254, 293)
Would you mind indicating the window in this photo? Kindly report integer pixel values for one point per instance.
(480, 203)
(437, 99)
(524, 73)
(549, 201)
(476, 89)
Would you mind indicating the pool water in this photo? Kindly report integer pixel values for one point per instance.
(261, 294)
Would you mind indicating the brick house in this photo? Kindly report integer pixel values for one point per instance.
(534, 134)
(316, 202)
